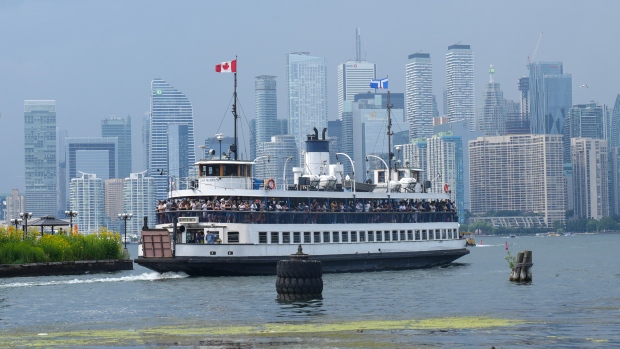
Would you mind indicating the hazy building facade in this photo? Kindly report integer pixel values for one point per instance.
(353, 77)
(415, 156)
(170, 108)
(492, 116)
(87, 198)
(15, 204)
(306, 79)
(121, 129)
(139, 199)
(587, 121)
(113, 198)
(278, 150)
(445, 166)
(62, 189)
(419, 99)
(590, 182)
(613, 143)
(522, 173)
(266, 104)
(460, 83)
(40, 157)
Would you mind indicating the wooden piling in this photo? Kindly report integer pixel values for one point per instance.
(522, 271)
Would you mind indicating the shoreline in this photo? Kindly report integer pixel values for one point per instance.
(64, 268)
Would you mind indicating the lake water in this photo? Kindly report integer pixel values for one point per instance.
(573, 302)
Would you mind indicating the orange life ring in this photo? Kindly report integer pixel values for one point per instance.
(446, 187)
(271, 184)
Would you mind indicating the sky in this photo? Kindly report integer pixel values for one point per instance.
(97, 58)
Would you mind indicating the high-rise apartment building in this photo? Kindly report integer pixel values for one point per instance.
(460, 83)
(419, 99)
(87, 198)
(519, 122)
(139, 199)
(266, 104)
(306, 79)
(521, 173)
(590, 182)
(40, 157)
(492, 117)
(445, 166)
(278, 150)
(415, 156)
(171, 116)
(121, 129)
(15, 204)
(613, 142)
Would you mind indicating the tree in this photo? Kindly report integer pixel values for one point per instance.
(484, 226)
(591, 225)
(606, 223)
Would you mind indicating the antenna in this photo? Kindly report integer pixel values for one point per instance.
(358, 45)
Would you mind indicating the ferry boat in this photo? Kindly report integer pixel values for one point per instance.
(228, 223)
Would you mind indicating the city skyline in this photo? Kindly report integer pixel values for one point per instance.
(81, 69)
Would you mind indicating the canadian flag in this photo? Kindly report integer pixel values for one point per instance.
(227, 67)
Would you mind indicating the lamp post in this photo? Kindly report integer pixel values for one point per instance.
(284, 174)
(16, 221)
(352, 166)
(387, 169)
(71, 214)
(220, 137)
(125, 217)
(258, 158)
(25, 217)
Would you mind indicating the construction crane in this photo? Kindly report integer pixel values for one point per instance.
(533, 55)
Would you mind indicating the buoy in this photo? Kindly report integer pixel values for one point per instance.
(506, 245)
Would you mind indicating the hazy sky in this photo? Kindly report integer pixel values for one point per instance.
(97, 58)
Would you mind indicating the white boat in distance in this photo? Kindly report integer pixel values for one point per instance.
(226, 224)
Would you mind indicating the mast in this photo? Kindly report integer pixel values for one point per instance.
(389, 134)
(235, 116)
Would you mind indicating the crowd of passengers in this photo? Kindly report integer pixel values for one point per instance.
(168, 209)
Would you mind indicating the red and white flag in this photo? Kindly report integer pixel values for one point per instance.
(227, 67)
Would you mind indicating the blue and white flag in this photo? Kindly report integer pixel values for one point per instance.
(381, 83)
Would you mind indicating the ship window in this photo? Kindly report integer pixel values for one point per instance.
(345, 236)
(379, 237)
(424, 235)
(362, 236)
(262, 237)
(409, 234)
(325, 236)
(417, 235)
(296, 237)
(275, 237)
(336, 236)
(233, 236)
(371, 236)
(394, 235)
(402, 235)
(386, 236)
(317, 237)
(353, 236)
(307, 238)
(229, 170)
(286, 237)
(444, 234)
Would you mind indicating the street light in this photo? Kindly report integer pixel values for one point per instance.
(352, 166)
(16, 221)
(71, 214)
(220, 137)
(386, 168)
(25, 217)
(284, 174)
(125, 217)
(258, 158)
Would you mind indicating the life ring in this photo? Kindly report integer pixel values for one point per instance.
(446, 187)
(271, 183)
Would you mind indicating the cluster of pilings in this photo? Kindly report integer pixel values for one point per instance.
(522, 271)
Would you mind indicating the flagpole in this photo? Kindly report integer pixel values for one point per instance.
(234, 111)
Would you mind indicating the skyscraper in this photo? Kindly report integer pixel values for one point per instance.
(278, 150)
(306, 78)
(492, 117)
(550, 97)
(40, 157)
(460, 83)
(113, 198)
(169, 107)
(613, 141)
(587, 120)
(120, 128)
(353, 77)
(266, 103)
(445, 166)
(419, 95)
